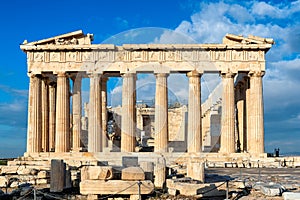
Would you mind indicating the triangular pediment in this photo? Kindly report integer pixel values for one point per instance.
(72, 38)
(251, 39)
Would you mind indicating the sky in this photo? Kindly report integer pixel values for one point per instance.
(200, 21)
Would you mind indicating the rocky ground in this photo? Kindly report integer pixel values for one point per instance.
(244, 184)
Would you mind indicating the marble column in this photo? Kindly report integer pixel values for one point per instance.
(45, 114)
(161, 113)
(228, 114)
(247, 110)
(52, 115)
(240, 101)
(62, 128)
(34, 131)
(128, 120)
(194, 143)
(95, 115)
(256, 114)
(104, 111)
(76, 108)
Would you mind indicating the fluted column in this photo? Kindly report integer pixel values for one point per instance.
(247, 110)
(95, 115)
(128, 124)
(104, 111)
(62, 133)
(240, 101)
(194, 113)
(76, 108)
(45, 115)
(34, 131)
(52, 115)
(228, 115)
(161, 113)
(256, 114)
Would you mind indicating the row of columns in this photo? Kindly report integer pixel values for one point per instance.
(247, 99)
(49, 114)
(51, 127)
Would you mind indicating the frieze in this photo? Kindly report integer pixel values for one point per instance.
(39, 56)
(87, 56)
(62, 56)
(154, 56)
(252, 56)
(55, 56)
(170, 55)
(220, 55)
(103, 56)
(237, 55)
(78, 56)
(30, 56)
(202, 56)
(71, 56)
(47, 56)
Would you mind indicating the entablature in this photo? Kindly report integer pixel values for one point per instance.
(236, 53)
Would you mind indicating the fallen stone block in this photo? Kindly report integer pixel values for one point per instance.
(42, 181)
(115, 186)
(291, 195)
(160, 173)
(133, 174)
(3, 181)
(23, 170)
(43, 174)
(195, 170)
(57, 175)
(96, 173)
(172, 191)
(271, 189)
(9, 169)
(195, 189)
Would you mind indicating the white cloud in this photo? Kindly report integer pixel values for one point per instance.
(263, 9)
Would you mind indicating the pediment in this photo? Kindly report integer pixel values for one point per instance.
(72, 38)
(251, 39)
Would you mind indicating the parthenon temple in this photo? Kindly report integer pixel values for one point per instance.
(57, 66)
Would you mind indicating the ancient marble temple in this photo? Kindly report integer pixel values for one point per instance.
(57, 66)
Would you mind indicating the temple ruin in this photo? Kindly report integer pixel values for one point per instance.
(58, 64)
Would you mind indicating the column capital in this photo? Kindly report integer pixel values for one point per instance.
(94, 75)
(161, 74)
(32, 75)
(256, 73)
(61, 74)
(129, 74)
(194, 73)
(228, 74)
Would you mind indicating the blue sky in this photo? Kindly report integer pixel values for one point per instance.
(204, 21)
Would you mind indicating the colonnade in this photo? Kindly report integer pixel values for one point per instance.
(250, 113)
(52, 127)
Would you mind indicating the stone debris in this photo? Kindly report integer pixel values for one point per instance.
(291, 195)
(115, 187)
(270, 189)
(133, 174)
(189, 187)
(160, 173)
(96, 173)
(3, 181)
